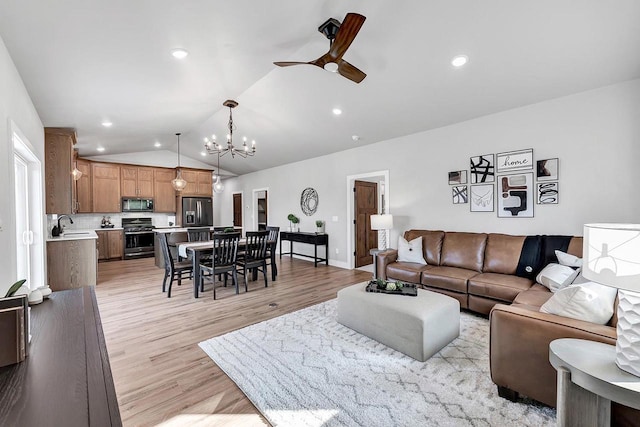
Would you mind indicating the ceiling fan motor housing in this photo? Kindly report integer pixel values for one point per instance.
(330, 28)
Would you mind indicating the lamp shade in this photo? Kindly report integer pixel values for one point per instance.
(382, 222)
(611, 255)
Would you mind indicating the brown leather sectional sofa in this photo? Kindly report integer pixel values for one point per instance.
(495, 274)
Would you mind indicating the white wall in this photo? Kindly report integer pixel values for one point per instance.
(595, 134)
(16, 107)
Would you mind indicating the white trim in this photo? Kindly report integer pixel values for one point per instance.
(350, 263)
(254, 211)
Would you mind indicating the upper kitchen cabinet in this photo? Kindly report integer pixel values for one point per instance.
(136, 181)
(58, 165)
(163, 193)
(105, 187)
(83, 187)
(199, 183)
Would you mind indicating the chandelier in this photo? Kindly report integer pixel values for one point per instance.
(213, 147)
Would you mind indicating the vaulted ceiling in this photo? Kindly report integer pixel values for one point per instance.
(84, 62)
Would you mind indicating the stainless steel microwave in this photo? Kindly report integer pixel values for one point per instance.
(137, 205)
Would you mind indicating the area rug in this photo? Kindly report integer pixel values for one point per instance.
(306, 369)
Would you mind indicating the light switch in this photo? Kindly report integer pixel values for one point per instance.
(334, 218)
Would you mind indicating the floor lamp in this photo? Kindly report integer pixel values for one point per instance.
(611, 256)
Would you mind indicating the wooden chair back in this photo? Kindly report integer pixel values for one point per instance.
(198, 234)
(225, 249)
(256, 247)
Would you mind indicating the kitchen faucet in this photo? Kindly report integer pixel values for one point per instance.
(57, 229)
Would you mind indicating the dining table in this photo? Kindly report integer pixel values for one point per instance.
(196, 250)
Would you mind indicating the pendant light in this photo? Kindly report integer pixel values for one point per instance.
(218, 186)
(178, 183)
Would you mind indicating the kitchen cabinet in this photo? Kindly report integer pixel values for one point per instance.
(105, 187)
(110, 244)
(163, 193)
(199, 183)
(71, 263)
(83, 187)
(136, 181)
(58, 165)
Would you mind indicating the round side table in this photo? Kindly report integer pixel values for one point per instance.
(588, 380)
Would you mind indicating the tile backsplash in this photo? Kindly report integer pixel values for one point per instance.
(93, 221)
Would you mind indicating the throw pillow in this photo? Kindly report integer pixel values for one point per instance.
(568, 259)
(410, 251)
(555, 276)
(589, 301)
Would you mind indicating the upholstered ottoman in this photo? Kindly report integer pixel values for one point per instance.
(416, 326)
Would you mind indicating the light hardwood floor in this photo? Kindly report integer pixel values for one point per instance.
(161, 375)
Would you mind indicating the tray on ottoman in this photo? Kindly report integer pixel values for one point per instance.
(407, 289)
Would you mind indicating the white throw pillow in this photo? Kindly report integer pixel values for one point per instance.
(410, 251)
(555, 276)
(568, 259)
(589, 301)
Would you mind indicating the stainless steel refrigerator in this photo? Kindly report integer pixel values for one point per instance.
(197, 211)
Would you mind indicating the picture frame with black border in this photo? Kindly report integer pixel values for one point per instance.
(457, 177)
(547, 193)
(515, 195)
(459, 194)
(481, 198)
(547, 169)
(513, 161)
(482, 169)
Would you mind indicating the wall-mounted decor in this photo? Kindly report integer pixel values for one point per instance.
(547, 170)
(547, 193)
(457, 177)
(481, 198)
(515, 195)
(482, 169)
(514, 160)
(309, 201)
(460, 194)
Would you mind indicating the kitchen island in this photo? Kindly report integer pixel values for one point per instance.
(72, 260)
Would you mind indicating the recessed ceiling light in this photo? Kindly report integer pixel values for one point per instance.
(337, 111)
(355, 137)
(157, 144)
(459, 60)
(107, 124)
(100, 149)
(202, 153)
(179, 53)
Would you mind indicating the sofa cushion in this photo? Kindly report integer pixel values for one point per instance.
(451, 278)
(431, 243)
(410, 251)
(406, 271)
(504, 287)
(534, 296)
(502, 253)
(463, 250)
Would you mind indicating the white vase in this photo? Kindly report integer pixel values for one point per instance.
(628, 342)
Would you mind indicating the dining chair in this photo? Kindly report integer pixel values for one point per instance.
(199, 234)
(255, 255)
(223, 260)
(172, 270)
(272, 242)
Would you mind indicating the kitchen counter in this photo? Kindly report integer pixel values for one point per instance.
(176, 229)
(109, 228)
(74, 235)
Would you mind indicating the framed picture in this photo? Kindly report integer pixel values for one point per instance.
(547, 193)
(481, 198)
(457, 177)
(482, 168)
(515, 195)
(547, 170)
(460, 195)
(515, 160)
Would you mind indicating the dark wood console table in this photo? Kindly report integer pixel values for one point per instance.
(310, 238)
(66, 379)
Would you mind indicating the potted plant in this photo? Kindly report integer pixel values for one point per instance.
(293, 220)
(320, 227)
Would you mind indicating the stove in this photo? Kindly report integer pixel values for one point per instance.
(138, 237)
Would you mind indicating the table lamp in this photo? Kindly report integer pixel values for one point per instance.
(382, 222)
(612, 257)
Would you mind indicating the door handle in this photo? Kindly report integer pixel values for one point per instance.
(25, 237)
(30, 234)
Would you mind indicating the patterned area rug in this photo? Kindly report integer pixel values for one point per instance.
(305, 369)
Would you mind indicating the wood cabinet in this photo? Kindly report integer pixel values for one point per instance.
(105, 187)
(84, 193)
(71, 264)
(199, 183)
(110, 244)
(164, 194)
(136, 181)
(58, 164)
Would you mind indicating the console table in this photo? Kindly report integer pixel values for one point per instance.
(309, 238)
(66, 379)
(588, 380)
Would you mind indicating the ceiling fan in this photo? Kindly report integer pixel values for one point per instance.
(340, 38)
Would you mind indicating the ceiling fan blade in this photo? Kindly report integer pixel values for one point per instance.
(349, 71)
(347, 32)
(287, 64)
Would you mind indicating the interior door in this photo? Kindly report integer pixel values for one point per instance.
(237, 210)
(24, 236)
(366, 204)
